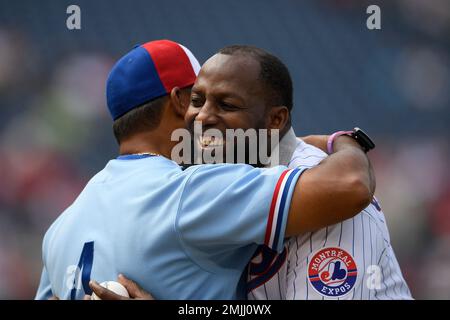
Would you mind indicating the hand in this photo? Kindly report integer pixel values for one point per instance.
(134, 290)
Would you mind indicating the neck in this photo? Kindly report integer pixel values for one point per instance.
(288, 144)
(285, 149)
(146, 143)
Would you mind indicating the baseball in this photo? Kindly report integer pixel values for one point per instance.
(115, 287)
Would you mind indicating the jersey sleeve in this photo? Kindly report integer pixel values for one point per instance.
(227, 206)
(44, 291)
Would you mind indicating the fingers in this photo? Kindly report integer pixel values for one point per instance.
(134, 290)
(131, 286)
(103, 293)
(53, 298)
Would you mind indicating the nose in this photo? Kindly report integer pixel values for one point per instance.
(207, 115)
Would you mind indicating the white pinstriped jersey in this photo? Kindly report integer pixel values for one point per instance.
(349, 260)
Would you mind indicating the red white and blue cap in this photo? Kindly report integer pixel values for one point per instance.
(147, 72)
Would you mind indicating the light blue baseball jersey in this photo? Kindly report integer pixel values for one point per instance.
(181, 234)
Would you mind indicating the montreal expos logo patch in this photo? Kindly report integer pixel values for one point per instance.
(332, 272)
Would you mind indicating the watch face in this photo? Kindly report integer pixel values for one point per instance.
(363, 139)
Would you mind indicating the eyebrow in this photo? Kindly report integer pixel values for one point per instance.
(231, 95)
(222, 95)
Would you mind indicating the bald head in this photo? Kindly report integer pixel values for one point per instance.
(273, 73)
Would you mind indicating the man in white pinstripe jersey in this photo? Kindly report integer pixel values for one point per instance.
(350, 260)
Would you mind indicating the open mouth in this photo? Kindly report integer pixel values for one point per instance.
(206, 142)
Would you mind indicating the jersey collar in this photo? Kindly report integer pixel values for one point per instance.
(135, 156)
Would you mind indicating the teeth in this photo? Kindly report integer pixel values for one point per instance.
(210, 141)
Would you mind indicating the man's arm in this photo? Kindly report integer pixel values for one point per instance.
(320, 141)
(337, 189)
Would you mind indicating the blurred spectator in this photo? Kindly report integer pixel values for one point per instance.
(423, 76)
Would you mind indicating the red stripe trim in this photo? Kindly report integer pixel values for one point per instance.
(272, 207)
(173, 66)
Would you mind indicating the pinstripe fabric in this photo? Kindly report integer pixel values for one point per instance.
(365, 236)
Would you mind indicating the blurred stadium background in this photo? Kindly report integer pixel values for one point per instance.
(56, 133)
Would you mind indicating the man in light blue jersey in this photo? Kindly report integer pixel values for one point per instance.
(223, 99)
(185, 234)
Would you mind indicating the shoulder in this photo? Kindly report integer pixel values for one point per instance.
(225, 170)
(306, 155)
(52, 232)
(229, 180)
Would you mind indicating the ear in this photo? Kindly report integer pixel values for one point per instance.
(180, 101)
(277, 118)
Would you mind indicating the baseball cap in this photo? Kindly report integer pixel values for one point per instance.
(147, 72)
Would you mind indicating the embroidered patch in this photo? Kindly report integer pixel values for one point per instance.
(332, 272)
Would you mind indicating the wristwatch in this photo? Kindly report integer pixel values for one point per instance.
(359, 135)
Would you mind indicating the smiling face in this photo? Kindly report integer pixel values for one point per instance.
(227, 95)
